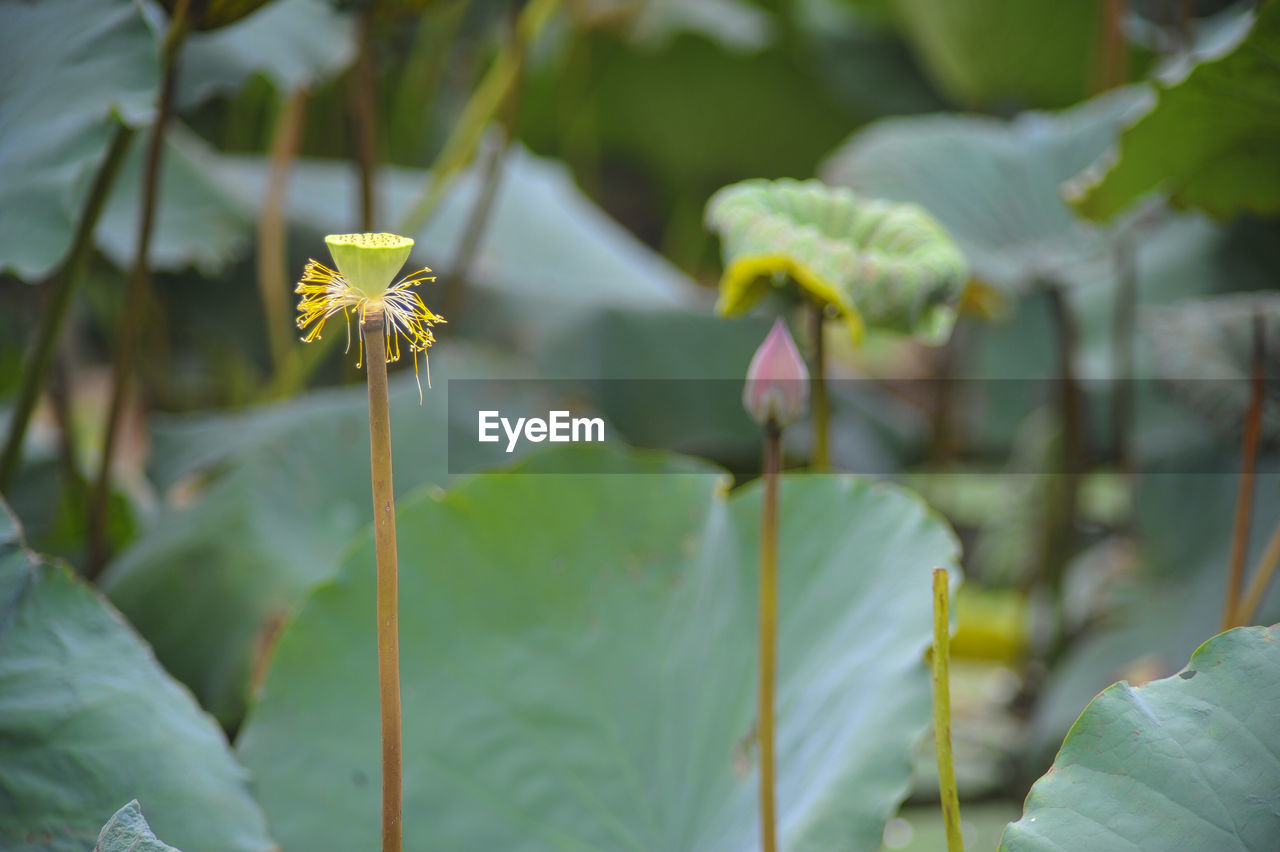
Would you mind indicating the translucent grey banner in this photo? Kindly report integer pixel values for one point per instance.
(877, 427)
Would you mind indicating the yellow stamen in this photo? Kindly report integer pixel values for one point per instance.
(325, 292)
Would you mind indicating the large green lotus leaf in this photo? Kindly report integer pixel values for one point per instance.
(1208, 141)
(72, 70)
(549, 253)
(260, 507)
(578, 668)
(196, 224)
(1188, 762)
(128, 831)
(880, 264)
(293, 43)
(994, 184)
(1203, 349)
(985, 53)
(88, 719)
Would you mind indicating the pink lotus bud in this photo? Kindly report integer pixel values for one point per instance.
(777, 389)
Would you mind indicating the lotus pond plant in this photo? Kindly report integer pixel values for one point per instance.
(871, 263)
(386, 310)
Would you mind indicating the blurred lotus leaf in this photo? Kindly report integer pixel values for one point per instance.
(1209, 141)
(549, 253)
(72, 71)
(1187, 762)
(579, 668)
(261, 505)
(196, 224)
(880, 264)
(1204, 350)
(128, 831)
(89, 719)
(995, 184)
(293, 43)
(987, 53)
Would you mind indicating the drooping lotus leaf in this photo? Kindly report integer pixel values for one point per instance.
(1209, 141)
(292, 43)
(578, 667)
(995, 185)
(1203, 349)
(1187, 762)
(128, 831)
(71, 71)
(880, 264)
(88, 719)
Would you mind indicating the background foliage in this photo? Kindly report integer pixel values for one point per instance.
(1107, 169)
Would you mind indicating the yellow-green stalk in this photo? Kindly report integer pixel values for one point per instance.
(942, 710)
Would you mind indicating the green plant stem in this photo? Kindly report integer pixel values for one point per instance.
(1063, 493)
(384, 533)
(821, 457)
(486, 100)
(136, 299)
(273, 279)
(768, 635)
(55, 315)
(364, 113)
(942, 711)
(1244, 496)
(1122, 339)
(1248, 607)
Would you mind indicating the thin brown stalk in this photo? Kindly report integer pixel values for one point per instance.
(136, 299)
(1244, 496)
(768, 636)
(273, 276)
(55, 315)
(384, 533)
(821, 457)
(1112, 63)
(942, 711)
(1247, 610)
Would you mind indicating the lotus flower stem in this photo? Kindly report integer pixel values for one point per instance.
(55, 315)
(384, 532)
(768, 634)
(776, 394)
(821, 457)
(942, 711)
(1244, 497)
(273, 277)
(136, 298)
